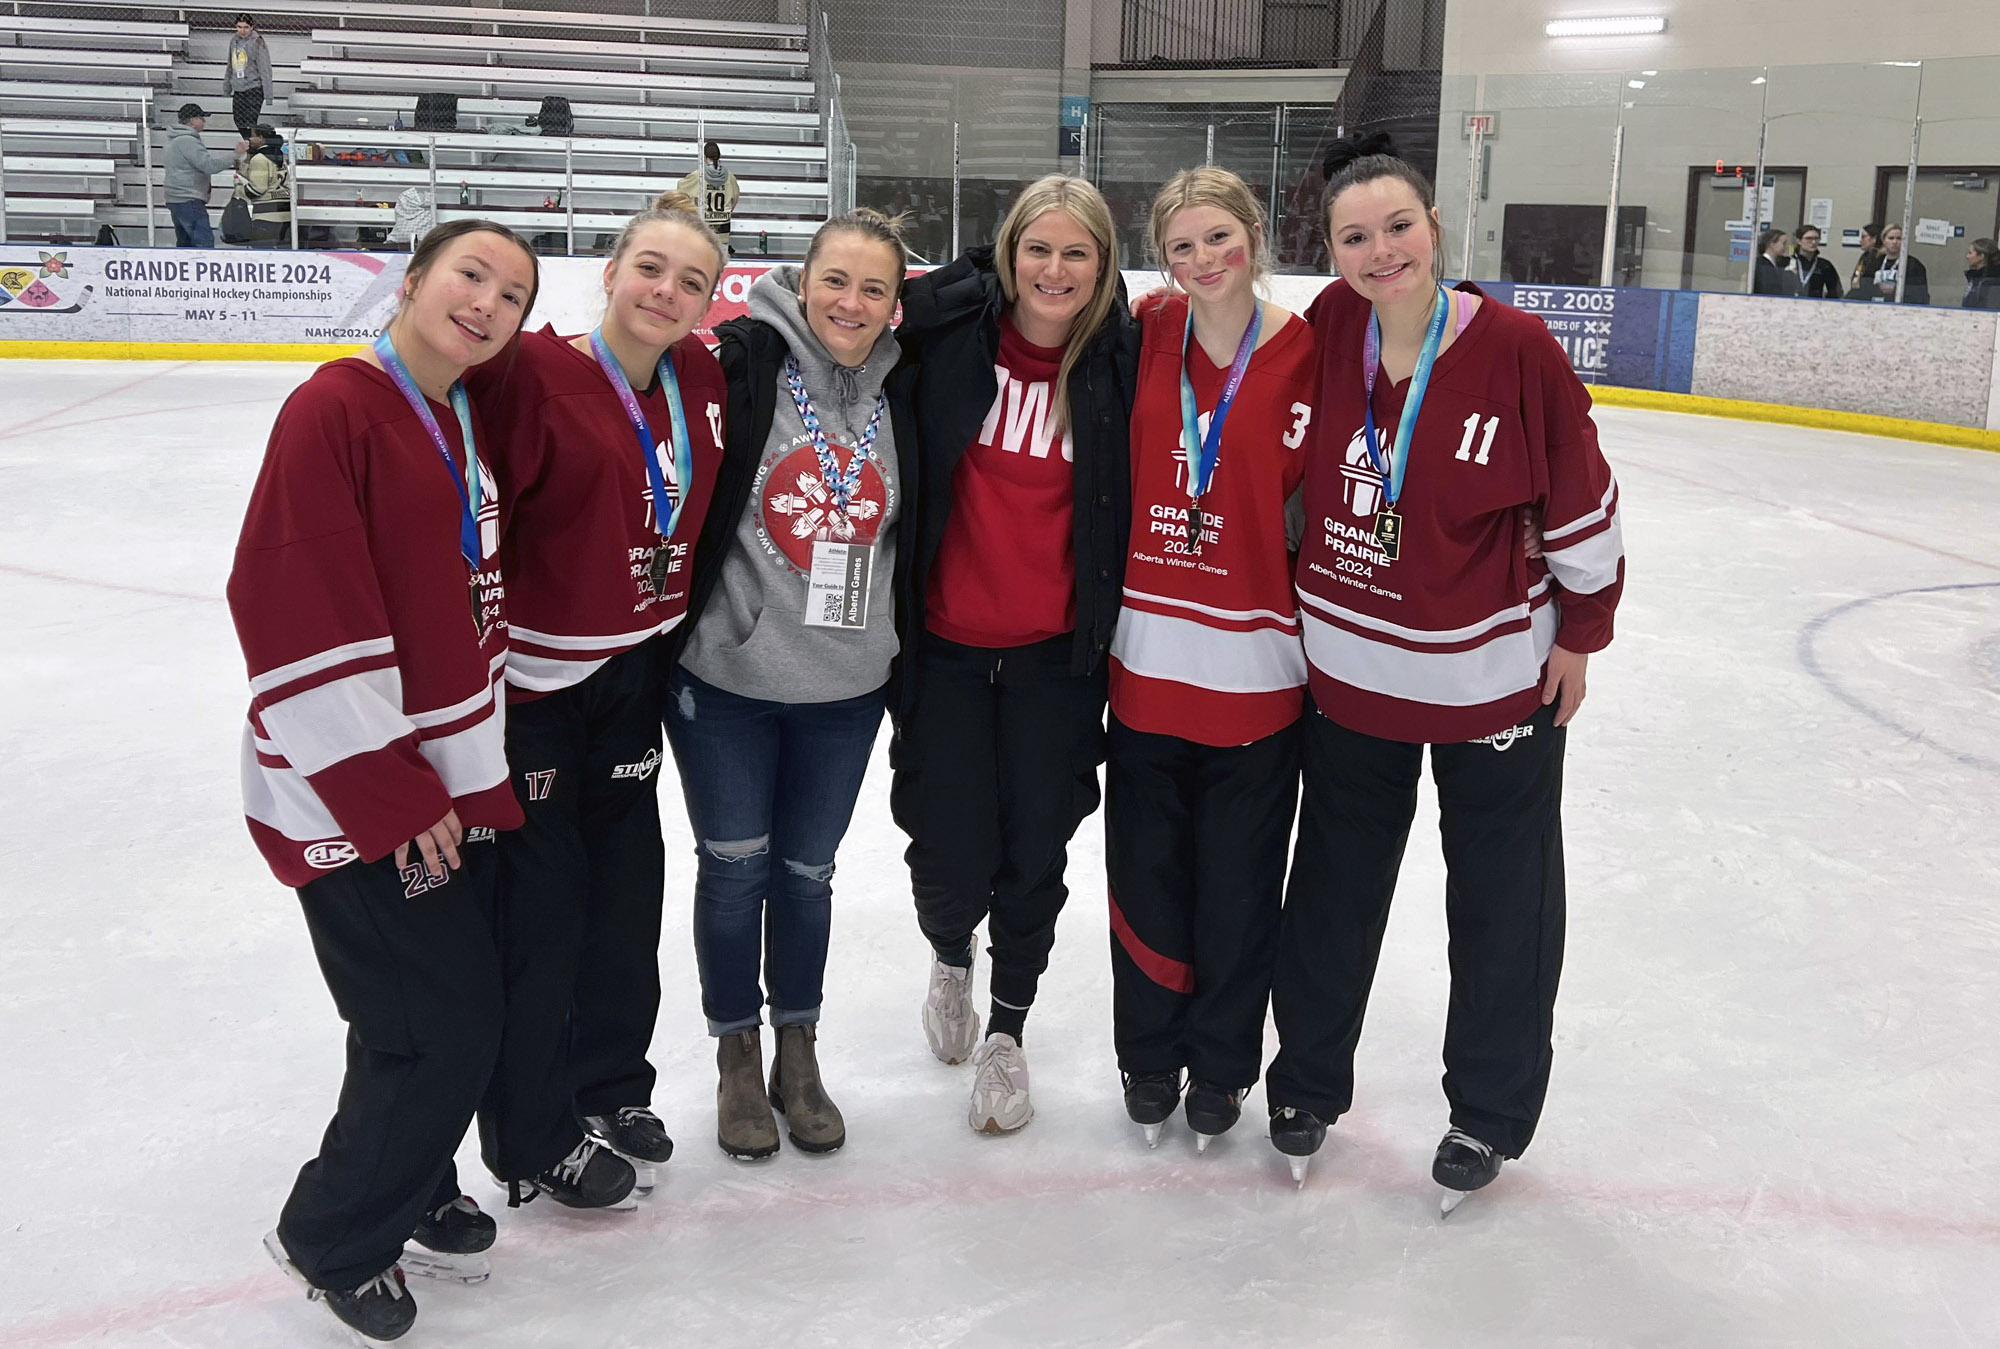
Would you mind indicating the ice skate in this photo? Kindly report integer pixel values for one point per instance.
(636, 1134)
(450, 1244)
(591, 1177)
(381, 1310)
(1000, 1102)
(1150, 1099)
(1212, 1111)
(1298, 1134)
(950, 1024)
(1463, 1164)
(812, 1121)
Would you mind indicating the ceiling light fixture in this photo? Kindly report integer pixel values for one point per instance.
(1640, 25)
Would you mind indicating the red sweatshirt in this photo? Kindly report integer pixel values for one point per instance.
(1447, 643)
(373, 696)
(1005, 573)
(578, 529)
(1208, 643)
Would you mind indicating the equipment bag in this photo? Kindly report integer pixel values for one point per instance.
(437, 112)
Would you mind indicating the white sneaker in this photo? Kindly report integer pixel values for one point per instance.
(1000, 1103)
(949, 1023)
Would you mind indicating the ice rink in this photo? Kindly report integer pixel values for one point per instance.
(1775, 1117)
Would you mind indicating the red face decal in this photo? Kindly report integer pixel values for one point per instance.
(1237, 257)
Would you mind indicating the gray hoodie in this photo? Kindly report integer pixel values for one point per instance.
(752, 638)
(248, 65)
(189, 163)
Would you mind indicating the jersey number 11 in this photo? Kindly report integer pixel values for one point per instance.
(1486, 442)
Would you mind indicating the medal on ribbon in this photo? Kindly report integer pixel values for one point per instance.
(466, 483)
(1388, 520)
(664, 520)
(1201, 453)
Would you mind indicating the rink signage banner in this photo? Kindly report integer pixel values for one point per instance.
(1635, 339)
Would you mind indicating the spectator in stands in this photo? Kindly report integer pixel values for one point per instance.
(1819, 277)
(1917, 289)
(247, 74)
(264, 180)
(1861, 284)
(716, 189)
(189, 164)
(1773, 274)
(1982, 275)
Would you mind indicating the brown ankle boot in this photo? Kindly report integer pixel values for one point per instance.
(812, 1122)
(743, 1123)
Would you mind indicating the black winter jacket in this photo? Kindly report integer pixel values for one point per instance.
(1982, 287)
(752, 354)
(1821, 280)
(951, 338)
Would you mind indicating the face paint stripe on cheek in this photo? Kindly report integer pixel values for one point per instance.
(1236, 257)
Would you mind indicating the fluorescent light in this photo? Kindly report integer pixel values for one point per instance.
(1758, 80)
(1629, 26)
(1649, 75)
(1635, 84)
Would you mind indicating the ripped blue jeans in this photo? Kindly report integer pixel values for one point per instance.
(770, 789)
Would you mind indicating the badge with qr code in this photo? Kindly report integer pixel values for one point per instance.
(837, 591)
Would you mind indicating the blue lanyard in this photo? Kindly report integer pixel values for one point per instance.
(468, 483)
(1200, 454)
(1371, 363)
(683, 448)
(840, 486)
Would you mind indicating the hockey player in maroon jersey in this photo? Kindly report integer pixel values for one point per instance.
(1207, 671)
(1025, 361)
(606, 444)
(1426, 622)
(367, 597)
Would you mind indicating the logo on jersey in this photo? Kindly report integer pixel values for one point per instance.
(1022, 420)
(1504, 740)
(489, 512)
(1360, 484)
(327, 856)
(640, 770)
(798, 511)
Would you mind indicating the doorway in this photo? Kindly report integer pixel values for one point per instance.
(1966, 199)
(1721, 233)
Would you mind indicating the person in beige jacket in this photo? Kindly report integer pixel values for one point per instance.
(716, 189)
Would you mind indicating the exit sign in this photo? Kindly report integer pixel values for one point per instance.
(1481, 123)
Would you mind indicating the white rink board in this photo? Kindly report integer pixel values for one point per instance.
(1776, 1075)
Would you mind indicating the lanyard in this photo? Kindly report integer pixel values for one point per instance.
(1200, 454)
(648, 453)
(1371, 363)
(468, 484)
(841, 486)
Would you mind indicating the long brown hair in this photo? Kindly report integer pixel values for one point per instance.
(432, 244)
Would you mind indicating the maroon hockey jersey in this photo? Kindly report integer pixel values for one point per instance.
(578, 528)
(1448, 641)
(1207, 646)
(374, 704)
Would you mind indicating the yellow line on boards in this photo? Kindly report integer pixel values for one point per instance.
(1825, 419)
(179, 351)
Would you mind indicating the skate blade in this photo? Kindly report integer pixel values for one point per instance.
(422, 1262)
(1299, 1165)
(645, 1174)
(276, 1250)
(1449, 1201)
(1201, 1142)
(1152, 1134)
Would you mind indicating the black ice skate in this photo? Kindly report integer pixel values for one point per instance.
(1212, 1110)
(636, 1134)
(449, 1244)
(1150, 1099)
(379, 1311)
(592, 1177)
(1298, 1134)
(1463, 1164)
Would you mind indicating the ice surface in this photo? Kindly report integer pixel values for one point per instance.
(1777, 1078)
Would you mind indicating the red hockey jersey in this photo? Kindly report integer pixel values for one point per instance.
(1207, 646)
(577, 528)
(374, 705)
(1447, 643)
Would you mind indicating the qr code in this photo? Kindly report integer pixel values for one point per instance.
(831, 606)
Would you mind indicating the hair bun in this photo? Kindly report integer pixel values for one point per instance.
(673, 199)
(897, 224)
(1347, 149)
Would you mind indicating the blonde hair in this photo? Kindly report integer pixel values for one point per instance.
(869, 223)
(675, 208)
(1084, 204)
(1209, 186)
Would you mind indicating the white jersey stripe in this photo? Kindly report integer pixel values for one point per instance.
(324, 660)
(1591, 564)
(339, 719)
(441, 716)
(474, 759)
(616, 642)
(1187, 651)
(545, 674)
(281, 799)
(1290, 620)
(1583, 521)
(1485, 674)
(1513, 613)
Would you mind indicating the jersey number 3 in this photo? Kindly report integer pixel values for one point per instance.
(1485, 443)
